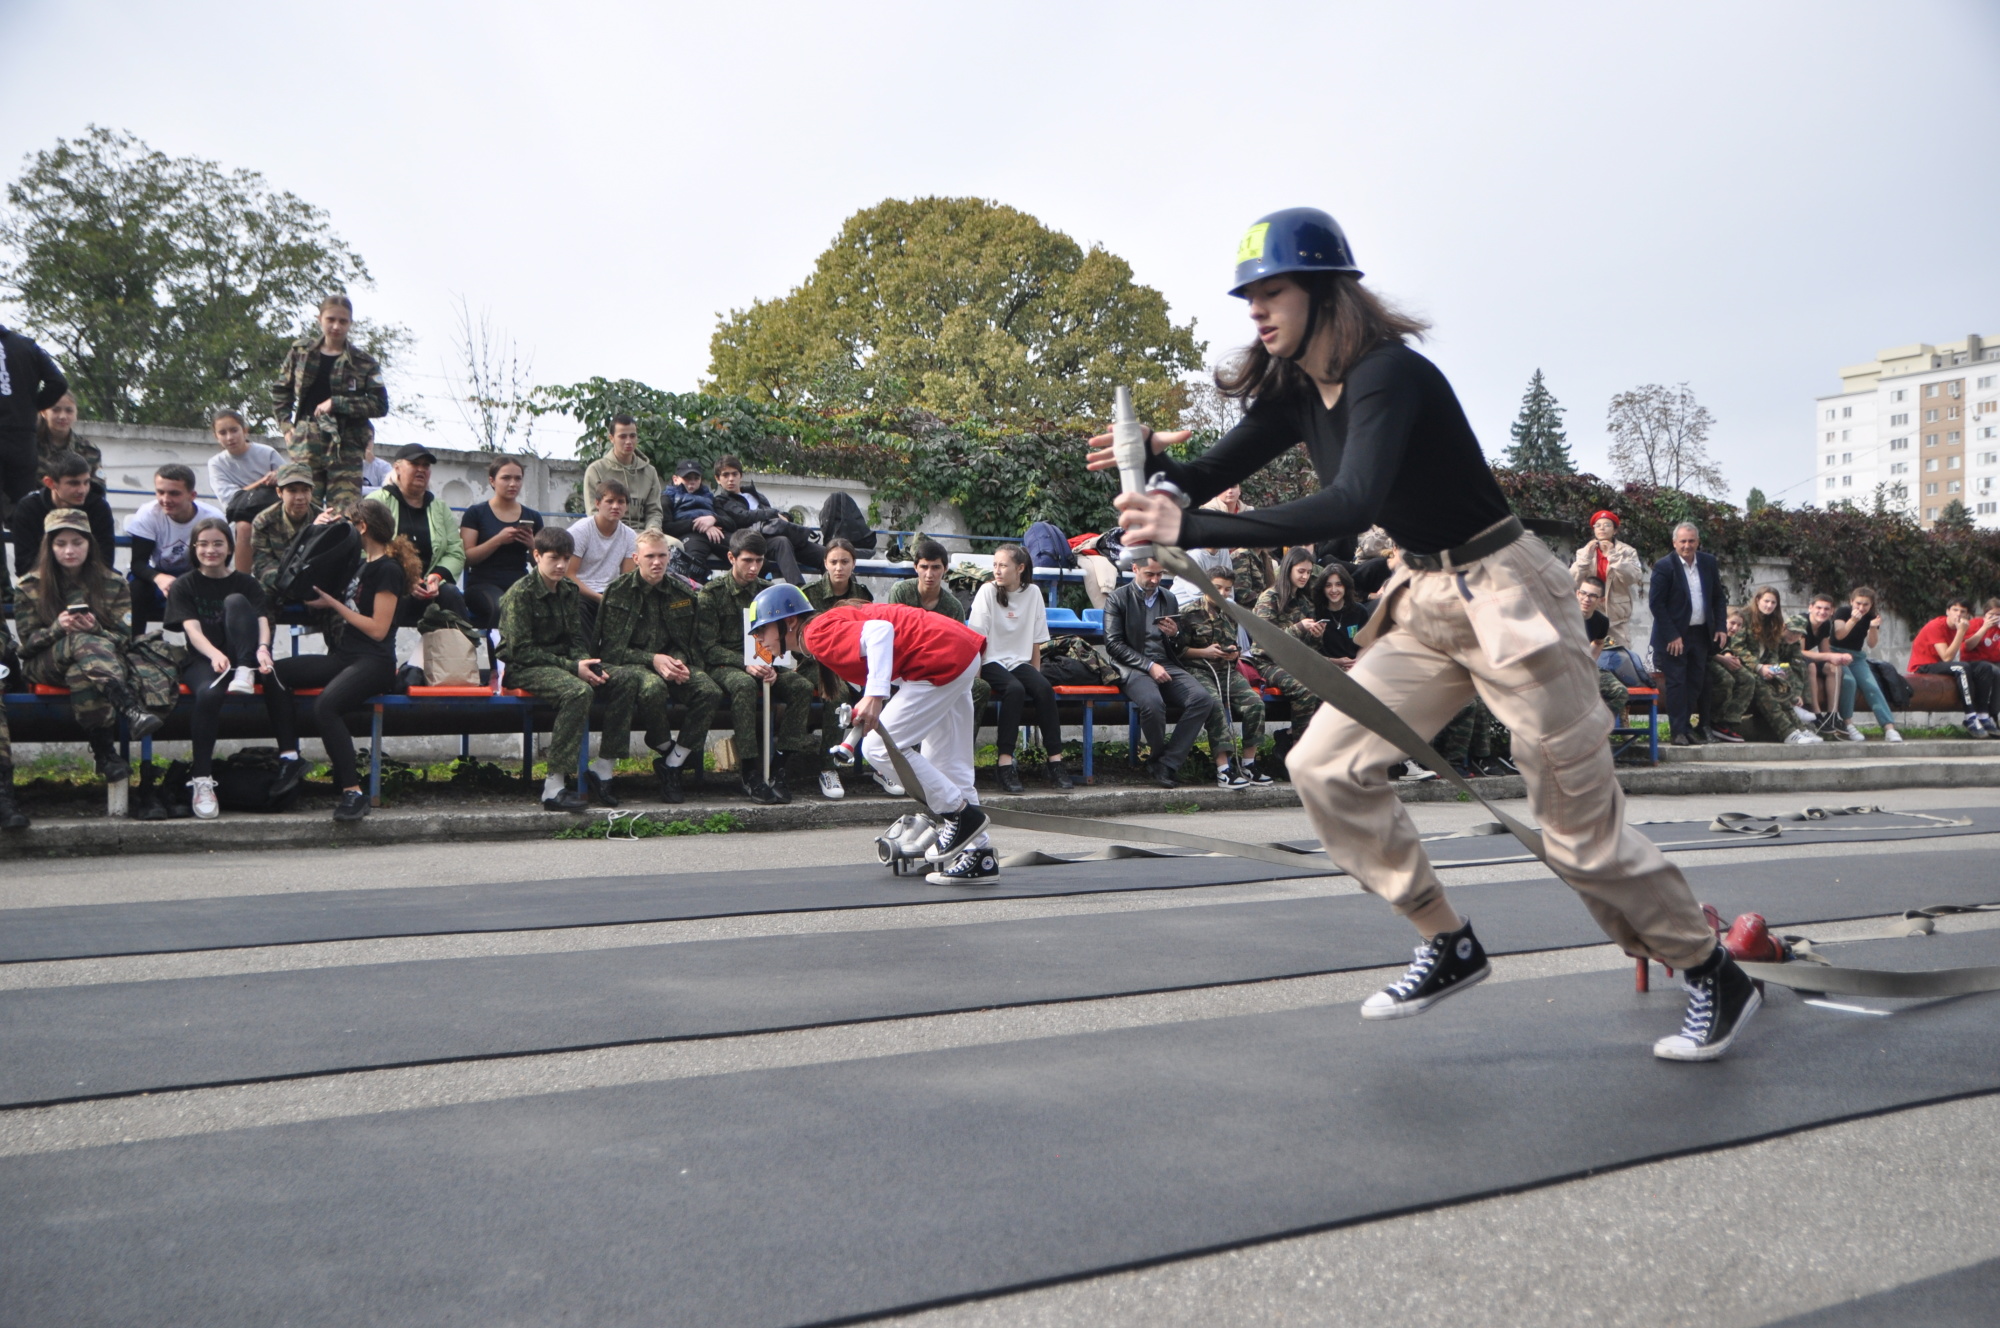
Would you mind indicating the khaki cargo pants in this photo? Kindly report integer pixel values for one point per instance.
(1528, 661)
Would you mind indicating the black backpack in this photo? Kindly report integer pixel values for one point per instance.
(321, 558)
(840, 517)
(242, 784)
(1896, 689)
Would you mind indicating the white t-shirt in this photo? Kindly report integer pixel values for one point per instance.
(602, 554)
(228, 475)
(170, 538)
(1013, 632)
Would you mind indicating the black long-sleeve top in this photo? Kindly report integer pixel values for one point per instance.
(1395, 450)
(33, 383)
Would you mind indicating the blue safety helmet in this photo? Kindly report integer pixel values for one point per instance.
(777, 603)
(1294, 240)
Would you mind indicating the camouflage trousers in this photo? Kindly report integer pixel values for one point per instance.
(653, 698)
(1615, 694)
(573, 697)
(1233, 695)
(1469, 736)
(792, 690)
(334, 461)
(1731, 692)
(6, 740)
(1305, 703)
(89, 663)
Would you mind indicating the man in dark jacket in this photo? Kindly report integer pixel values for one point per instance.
(1688, 613)
(688, 513)
(738, 505)
(65, 483)
(30, 383)
(1138, 622)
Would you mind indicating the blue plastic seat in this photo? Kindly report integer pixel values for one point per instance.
(1093, 617)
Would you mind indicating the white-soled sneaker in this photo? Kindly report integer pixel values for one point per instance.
(960, 830)
(1449, 961)
(1720, 1002)
(1889, 733)
(1231, 777)
(206, 808)
(1803, 737)
(244, 683)
(830, 786)
(1805, 716)
(1852, 734)
(888, 782)
(972, 867)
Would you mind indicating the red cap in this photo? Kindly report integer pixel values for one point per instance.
(1612, 517)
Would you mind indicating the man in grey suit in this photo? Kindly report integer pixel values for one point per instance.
(1138, 620)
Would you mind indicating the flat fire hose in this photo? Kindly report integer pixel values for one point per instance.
(1332, 685)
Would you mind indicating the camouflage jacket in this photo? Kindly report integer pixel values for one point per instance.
(638, 621)
(47, 448)
(1291, 615)
(271, 536)
(905, 592)
(541, 626)
(1202, 624)
(37, 635)
(719, 621)
(354, 378)
(1747, 647)
(820, 593)
(1253, 575)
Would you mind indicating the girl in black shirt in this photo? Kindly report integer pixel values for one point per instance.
(360, 660)
(221, 612)
(498, 534)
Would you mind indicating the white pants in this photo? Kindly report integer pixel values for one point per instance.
(932, 723)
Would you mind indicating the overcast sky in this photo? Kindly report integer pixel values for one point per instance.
(1742, 196)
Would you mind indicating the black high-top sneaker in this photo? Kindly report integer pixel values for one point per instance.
(757, 790)
(959, 829)
(972, 867)
(777, 781)
(598, 789)
(1721, 999)
(1448, 962)
(670, 780)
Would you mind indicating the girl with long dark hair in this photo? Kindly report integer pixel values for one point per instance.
(1008, 612)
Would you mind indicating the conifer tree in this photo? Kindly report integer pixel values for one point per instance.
(1540, 444)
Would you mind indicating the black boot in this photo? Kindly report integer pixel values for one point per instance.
(1059, 775)
(777, 784)
(145, 804)
(757, 790)
(1010, 778)
(111, 767)
(11, 816)
(670, 780)
(141, 722)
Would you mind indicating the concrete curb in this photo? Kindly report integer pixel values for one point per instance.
(81, 837)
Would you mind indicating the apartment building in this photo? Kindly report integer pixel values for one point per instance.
(1920, 423)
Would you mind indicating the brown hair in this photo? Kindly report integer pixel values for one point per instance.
(222, 415)
(1336, 572)
(1300, 553)
(56, 585)
(727, 462)
(1019, 557)
(337, 302)
(501, 462)
(1356, 321)
(1867, 593)
(210, 523)
(1767, 628)
(377, 524)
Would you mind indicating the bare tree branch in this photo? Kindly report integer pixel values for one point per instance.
(492, 385)
(1659, 436)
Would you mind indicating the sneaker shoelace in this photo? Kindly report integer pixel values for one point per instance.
(1700, 1012)
(1426, 959)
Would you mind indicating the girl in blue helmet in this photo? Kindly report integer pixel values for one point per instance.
(1477, 609)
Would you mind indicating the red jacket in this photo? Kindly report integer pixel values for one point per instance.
(929, 646)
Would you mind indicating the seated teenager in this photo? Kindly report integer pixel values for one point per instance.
(836, 584)
(1775, 662)
(499, 538)
(1825, 671)
(243, 476)
(1139, 627)
(66, 482)
(360, 658)
(1732, 683)
(73, 615)
(273, 529)
(222, 613)
(646, 630)
(1008, 612)
(547, 655)
(1856, 631)
(160, 531)
(790, 546)
(1209, 644)
(605, 548)
(1939, 648)
(427, 522)
(1287, 604)
(55, 433)
(689, 515)
(927, 590)
(719, 620)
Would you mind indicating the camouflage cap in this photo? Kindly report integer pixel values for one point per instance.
(294, 473)
(66, 518)
(1798, 622)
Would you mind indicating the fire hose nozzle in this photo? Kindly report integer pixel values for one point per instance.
(1129, 448)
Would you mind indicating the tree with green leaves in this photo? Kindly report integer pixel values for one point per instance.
(166, 287)
(1757, 502)
(964, 308)
(1540, 444)
(1956, 516)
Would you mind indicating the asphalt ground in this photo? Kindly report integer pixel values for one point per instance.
(1748, 1235)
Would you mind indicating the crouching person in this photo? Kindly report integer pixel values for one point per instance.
(722, 603)
(542, 644)
(646, 635)
(931, 661)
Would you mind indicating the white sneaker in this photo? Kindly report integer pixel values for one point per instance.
(1852, 734)
(1803, 738)
(244, 683)
(1805, 716)
(887, 781)
(1889, 733)
(206, 808)
(830, 786)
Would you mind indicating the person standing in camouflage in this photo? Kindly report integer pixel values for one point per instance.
(326, 392)
(273, 529)
(74, 617)
(1208, 651)
(646, 632)
(719, 626)
(542, 645)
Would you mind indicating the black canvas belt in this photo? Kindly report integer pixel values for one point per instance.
(1331, 684)
(1486, 543)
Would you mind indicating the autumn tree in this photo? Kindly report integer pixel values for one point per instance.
(1540, 444)
(166, 287)
(1659, 436)
(962, 307)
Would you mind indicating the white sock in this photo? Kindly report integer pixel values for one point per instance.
(552, 786)
(603, 767)
(677, 755)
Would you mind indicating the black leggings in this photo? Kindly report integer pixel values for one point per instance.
(209, 688)
(1013, 689)
(345, 681)
(483, 599)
